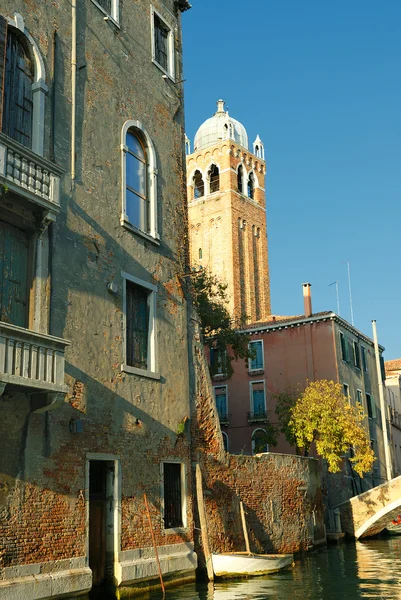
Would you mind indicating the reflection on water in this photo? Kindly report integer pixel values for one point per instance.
(369, 569)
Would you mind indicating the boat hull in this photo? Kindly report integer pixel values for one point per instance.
(237, 564)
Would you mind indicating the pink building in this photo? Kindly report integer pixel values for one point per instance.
(289, 351)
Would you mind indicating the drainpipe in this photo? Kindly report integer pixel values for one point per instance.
(73, 84)
(382, 404)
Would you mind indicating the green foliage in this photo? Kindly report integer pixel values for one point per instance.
(324, 416)
(267, 436)
(218, 329)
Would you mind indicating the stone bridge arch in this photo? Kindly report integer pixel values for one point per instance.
(369, 513)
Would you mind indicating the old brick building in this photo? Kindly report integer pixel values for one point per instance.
(227, 212)
(93, 401)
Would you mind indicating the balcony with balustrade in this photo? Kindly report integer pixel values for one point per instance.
(33, 363)
(27, 174)
(259, 416)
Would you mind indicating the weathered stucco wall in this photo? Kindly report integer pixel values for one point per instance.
(134, 420)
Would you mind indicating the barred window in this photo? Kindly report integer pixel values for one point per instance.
(173, 514)
(162, 44)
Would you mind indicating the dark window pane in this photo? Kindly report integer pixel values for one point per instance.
(251, 186)
(172, 495)
(13, 275)
(214, 179)
(17, 103)
(106, 5)
(137, 326)
(240, 179)
(199, 186)
(161, 33)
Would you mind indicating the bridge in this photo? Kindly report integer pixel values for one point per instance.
(370, 512)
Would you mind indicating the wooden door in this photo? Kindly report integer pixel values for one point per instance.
(97, 520)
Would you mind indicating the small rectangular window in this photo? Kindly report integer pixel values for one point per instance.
(363, 357)
(220, 394)
(370, 406)
(109, 7)
(346, 390)
(343, 346)
(256, 363)
(357, 358)
(359, 397)
(162, 44)
(173, 495)
(258, 401)
(218, 360)
(139, 313)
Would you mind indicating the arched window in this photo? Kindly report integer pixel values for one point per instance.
(214, 179)
(199, 185)
(240, 179)
(225, 441)
(200, 253)
(137, 203)
(259, 443)
(18, 102)
(139, 180)
(251, 185)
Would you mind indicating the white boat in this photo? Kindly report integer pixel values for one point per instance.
(244, 564)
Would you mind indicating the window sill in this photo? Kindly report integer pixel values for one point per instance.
(256, 372)
(140, 372)
(109, 17)
(219, 377)
(176, 530)
(169, 75)
(154, 240)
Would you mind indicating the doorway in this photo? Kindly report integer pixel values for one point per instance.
(101, 520)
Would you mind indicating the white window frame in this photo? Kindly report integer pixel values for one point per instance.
(170, 72)
(359, 397)
(152, 172)
(184, 502)
(251, 384)
(253, 440)
(225, 437)
(115, 11)
(250, 370)
(151, 371)
(346, 396)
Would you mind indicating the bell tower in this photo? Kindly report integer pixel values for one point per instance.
(227, 213)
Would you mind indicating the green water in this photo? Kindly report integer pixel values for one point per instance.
(369, 569)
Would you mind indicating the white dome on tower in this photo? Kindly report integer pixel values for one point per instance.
(218, 128)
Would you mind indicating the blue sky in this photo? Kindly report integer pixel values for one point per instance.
(320, 82)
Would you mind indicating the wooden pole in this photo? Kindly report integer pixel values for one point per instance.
(154, 545)
(247, 546)
(203, 524)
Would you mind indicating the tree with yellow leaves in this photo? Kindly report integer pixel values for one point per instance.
(323, 416)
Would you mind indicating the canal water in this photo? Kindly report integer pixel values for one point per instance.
(369, 569)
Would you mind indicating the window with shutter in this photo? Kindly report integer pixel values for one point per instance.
(13, 275)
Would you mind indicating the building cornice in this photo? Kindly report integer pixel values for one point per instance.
(288, 323)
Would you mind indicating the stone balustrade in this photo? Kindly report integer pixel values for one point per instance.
(27, 173)
(31, 360)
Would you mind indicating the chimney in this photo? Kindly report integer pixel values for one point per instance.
(307, 299)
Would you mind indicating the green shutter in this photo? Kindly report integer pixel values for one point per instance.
(13, 275)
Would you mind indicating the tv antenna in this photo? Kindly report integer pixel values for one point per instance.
(349, 290)
(338, 297)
